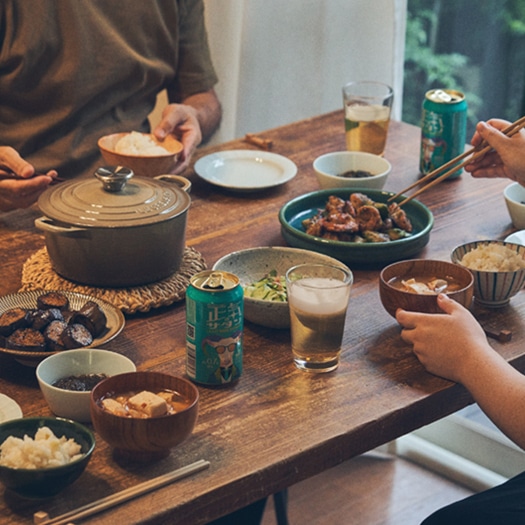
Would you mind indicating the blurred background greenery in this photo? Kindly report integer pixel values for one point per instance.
(475, 47)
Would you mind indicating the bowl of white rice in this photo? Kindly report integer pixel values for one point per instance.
(143, 153)
(498, 268)
(41, 456)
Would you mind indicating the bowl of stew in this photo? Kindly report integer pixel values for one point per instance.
(415, 284)
(143, 415)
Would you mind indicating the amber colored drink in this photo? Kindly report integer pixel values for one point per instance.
(366, 128)
(317, 318)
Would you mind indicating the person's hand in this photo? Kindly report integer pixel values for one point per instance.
(447, 343)
(19, 186)
(181, 121)
(507, 159)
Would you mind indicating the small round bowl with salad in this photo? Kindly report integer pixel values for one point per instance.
(261, 272)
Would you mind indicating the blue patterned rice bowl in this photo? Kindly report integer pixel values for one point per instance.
(498, 278)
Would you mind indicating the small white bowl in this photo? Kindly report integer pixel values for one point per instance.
(331, 166)
(515, 199)
(253, 264)
(69, 403)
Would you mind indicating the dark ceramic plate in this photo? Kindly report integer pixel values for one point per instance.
(294, 212)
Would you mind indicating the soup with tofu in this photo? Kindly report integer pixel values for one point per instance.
(426, 284)
(145, 404)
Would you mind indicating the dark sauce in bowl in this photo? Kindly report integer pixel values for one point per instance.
(80, 383)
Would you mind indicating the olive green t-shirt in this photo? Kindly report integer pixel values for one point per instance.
(74, 70)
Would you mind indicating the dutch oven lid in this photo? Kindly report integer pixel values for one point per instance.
(113, 198)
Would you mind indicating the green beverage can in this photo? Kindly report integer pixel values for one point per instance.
(214, 328)
(443, 129)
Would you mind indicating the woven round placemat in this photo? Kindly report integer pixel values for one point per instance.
(38, 274)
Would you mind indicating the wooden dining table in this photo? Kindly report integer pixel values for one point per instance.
(277, 425)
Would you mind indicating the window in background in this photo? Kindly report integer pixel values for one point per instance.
(475, 47)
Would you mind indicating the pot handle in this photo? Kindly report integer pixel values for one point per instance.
(45, 224)
(182, 182)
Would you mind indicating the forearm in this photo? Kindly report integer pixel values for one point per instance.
(499, 389)
(207, 110)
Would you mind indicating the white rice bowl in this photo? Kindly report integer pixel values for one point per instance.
(493, 257)
(45, 450)
(136, 143)
(498, 268)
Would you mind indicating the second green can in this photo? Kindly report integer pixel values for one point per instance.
(214, 328)
(443, 129)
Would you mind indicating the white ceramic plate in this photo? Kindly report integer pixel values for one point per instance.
(9, 409)
(516, 237)
(114, 325)
(245, 170)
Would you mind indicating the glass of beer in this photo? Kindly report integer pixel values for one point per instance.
(367, 114)
(318, 297)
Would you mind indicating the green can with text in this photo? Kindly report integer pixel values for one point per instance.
(443, 129)
(214, 328)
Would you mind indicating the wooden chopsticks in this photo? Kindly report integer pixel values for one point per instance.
(477, 152)
(42, 518)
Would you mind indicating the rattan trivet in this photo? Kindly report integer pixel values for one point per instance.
(37, 274)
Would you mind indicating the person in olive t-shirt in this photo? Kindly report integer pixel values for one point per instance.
(73, 71)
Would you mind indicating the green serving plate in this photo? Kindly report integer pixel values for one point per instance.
(366, 255)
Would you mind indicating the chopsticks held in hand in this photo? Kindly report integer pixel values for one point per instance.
(477, 152)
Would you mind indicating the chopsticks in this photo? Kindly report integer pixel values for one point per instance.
(477, 152)
(260, 142)
(42, 518)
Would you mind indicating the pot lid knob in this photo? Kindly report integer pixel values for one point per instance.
(113, 178)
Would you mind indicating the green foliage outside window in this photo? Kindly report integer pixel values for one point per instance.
(475, 47)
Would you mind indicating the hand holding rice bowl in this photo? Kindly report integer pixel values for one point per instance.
(138, 154)
(498, 268)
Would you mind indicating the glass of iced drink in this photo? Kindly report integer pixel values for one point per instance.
(367, 114)
(318, 297)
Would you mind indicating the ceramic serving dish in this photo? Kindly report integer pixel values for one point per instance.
(367, 255)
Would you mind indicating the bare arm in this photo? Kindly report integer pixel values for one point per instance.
(453, 345)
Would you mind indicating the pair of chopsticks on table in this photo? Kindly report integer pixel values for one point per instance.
(451, 166)
(42, 518)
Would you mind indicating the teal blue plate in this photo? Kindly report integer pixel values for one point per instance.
(295, 211)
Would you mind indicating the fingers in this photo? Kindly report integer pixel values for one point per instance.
(16, 193)
(11, 161)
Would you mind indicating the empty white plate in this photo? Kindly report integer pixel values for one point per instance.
(245, 170)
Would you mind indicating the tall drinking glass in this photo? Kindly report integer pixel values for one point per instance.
(318, 297)
(367, 115)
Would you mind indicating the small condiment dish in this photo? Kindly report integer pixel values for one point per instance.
(73, 404)
(331, 168)
(142, 165)
(393, 297)
(514, 195)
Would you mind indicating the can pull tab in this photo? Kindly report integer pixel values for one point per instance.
(442, 96)
(214, 281)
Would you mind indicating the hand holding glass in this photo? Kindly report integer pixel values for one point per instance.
(318, 297)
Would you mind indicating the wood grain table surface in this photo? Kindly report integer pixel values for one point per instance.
(277, 425)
